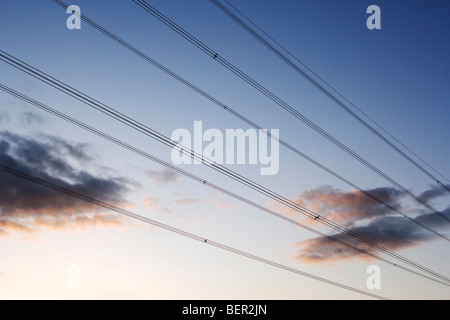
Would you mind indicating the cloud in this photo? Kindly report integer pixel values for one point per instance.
(367, 218)
(390, 232)
(64, 222)
(190, 201)
(222, 204)
(51, 155)
(80, 151)
(434, 192)
(350, 207)
(29, 118)
(28, 207)
(154, 204)
(163, 176)
(435, 221)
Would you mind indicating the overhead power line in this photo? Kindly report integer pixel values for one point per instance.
(241, 117)
(172, 25)
(198, 179)
(321, 88)
(337, 92)
(184, 233)
(97, 105)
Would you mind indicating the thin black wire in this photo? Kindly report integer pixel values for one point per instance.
(172, 25)
(331, 87)
(130, 214)
(211, 164)
(198, 179)
(323, 89)
(241, 117)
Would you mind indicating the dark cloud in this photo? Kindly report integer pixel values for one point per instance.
(80, 151)
(390, 232)
(350, 207)
(25, 206)
(367, 218)
(434, 220)
(51, 154)
(434, 192)
(163, 176)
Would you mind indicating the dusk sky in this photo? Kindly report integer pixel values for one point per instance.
(396, 79)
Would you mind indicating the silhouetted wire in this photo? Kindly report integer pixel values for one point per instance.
(184, 233)
(241, 117)
(198, 179)
(315, 83)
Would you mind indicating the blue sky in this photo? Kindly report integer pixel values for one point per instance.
(398, 75)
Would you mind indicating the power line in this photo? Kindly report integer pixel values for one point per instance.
(89, 101)
(172, 25)
(168, 142)
(240, 116)
(315, 83)
(184, 233)
(198, 179)
(335, 90)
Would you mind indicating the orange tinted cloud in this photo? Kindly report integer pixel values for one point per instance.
(393, 233)
(368, 218)
(352, 206)
(154, 204)
(27, 207)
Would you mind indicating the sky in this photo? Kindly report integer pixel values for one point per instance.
(53, 246)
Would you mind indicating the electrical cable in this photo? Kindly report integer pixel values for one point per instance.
(211, 164)
(198, 179)
(241, 117)
(172, 25)
(321, 88)
(184, 233)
